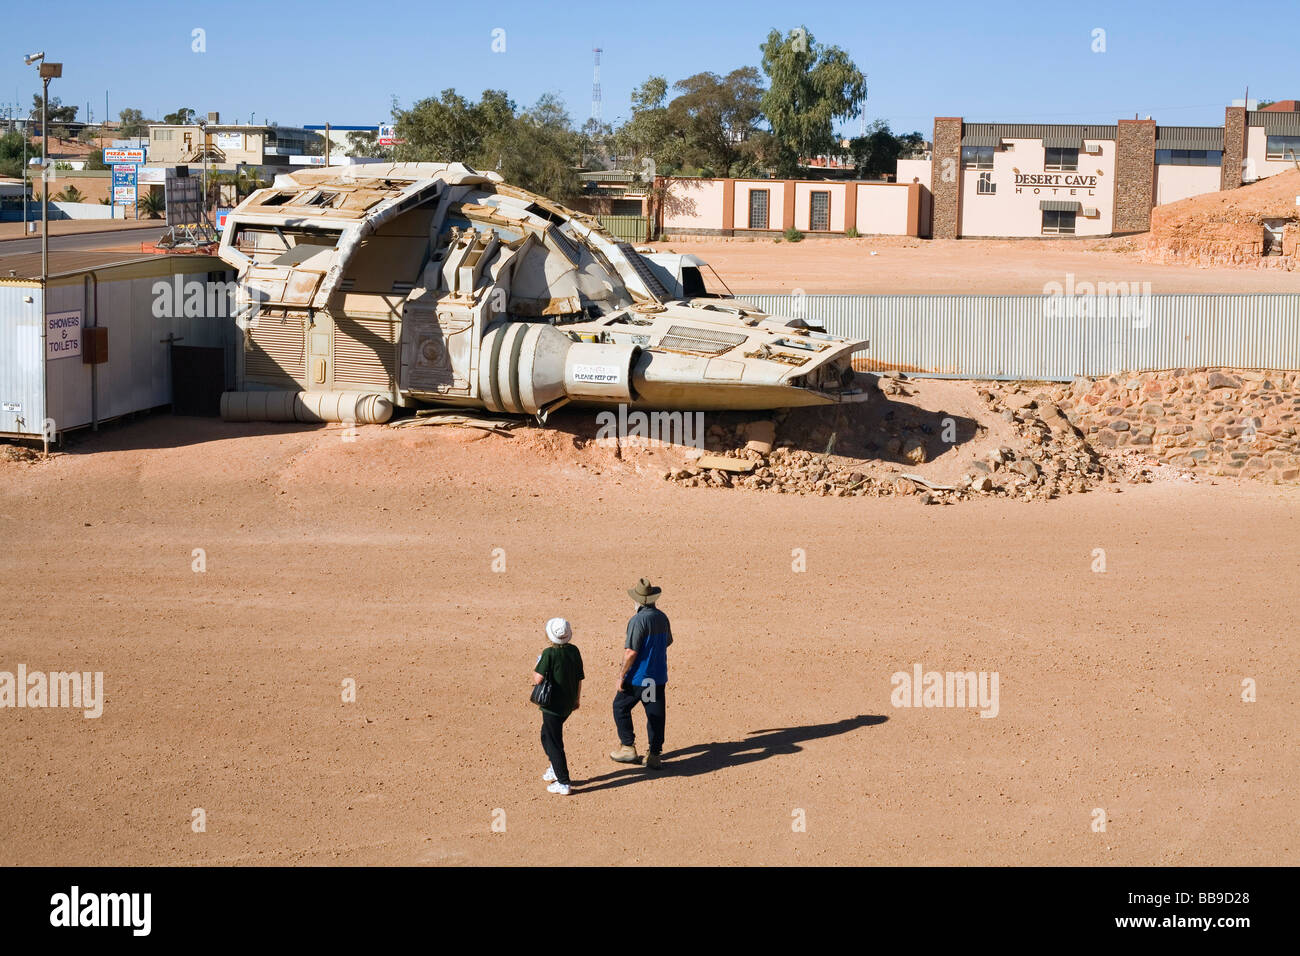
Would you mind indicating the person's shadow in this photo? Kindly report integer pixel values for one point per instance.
(706, 758)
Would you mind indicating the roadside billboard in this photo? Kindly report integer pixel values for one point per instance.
(124, 184)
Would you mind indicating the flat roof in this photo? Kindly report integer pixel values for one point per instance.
(26, 267)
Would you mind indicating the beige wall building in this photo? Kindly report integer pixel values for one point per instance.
(227, 145)
(741, 207)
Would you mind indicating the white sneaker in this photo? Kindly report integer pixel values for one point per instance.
(561, 788)
(549, 775)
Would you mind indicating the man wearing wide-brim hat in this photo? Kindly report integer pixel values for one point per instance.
(643, 676)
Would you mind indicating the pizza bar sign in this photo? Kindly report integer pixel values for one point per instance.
(1055, 181)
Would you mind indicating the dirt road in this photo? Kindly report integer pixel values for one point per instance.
(372, 561)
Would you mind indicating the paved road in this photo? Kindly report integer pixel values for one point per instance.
(82, 241)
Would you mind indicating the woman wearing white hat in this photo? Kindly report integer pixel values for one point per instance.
(559, 668)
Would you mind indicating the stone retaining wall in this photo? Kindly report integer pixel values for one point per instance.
(1210, 421)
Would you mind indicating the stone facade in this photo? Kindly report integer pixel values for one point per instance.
(945, 177)
(1209, 421)
(1234, 146)
(1135, 145)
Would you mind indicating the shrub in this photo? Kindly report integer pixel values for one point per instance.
(850, 233)
(793, 235)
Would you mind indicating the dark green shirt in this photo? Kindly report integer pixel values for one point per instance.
(562, 663)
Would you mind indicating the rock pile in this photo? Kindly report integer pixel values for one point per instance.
(1050, 457)
(1056, 459)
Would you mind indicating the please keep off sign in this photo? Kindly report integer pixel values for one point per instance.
(63, 335)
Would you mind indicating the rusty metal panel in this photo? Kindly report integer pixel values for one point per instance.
(1036, 337)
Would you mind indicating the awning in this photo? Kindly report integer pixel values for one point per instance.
(1189, 137)
(1059, 205)
(1063, 141)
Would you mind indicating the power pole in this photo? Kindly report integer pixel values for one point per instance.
(595, 86)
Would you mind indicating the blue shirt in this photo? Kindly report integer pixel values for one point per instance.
(649, 634)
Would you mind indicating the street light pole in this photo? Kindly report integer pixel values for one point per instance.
(27, 129)
(45, 179)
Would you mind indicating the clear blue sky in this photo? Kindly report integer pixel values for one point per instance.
(299, 63)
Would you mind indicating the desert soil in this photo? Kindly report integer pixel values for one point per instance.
(979, 266)
(372, 560)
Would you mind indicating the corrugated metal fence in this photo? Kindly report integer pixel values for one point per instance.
(1055, 338)
(627, 228)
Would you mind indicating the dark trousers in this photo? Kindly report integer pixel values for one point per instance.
(625, 701)
(553, 744)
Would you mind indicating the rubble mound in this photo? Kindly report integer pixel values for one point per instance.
(1012, 442)
(1228, 228)
(18, 453)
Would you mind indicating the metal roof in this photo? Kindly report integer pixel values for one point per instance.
(1275, 123)
(1058, 133)
(1189, 137)
(26, 267)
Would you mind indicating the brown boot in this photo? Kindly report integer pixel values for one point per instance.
(652, 762)
(626, 753)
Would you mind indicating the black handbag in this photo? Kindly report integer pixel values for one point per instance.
(541, 695)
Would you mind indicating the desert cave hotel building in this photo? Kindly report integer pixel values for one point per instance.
(1007, 179)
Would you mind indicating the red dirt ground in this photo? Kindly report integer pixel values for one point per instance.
(980, 266)
(371, 560)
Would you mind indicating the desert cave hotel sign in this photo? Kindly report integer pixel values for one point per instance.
(1054, 184)
(62, 335)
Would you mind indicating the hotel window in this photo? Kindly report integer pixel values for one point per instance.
(1189, 157)
(986, 186)
(1061, 158)
(1058, 223)
(819, 212)
(1282, 147)
(758, 208)
(977, 157)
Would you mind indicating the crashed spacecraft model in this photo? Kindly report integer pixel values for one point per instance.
(364, 287)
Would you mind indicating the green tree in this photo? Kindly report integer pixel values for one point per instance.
(96, 160)
(56, 113)
(876, 154)
(596, 144)
(182, 117)
(810, 87)
(133, 123)
(648, 140)
(364, 143)
(70, 194)
(11, 154)
(537, 149)
(151, 204)
(714, 116)
(450, 129)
